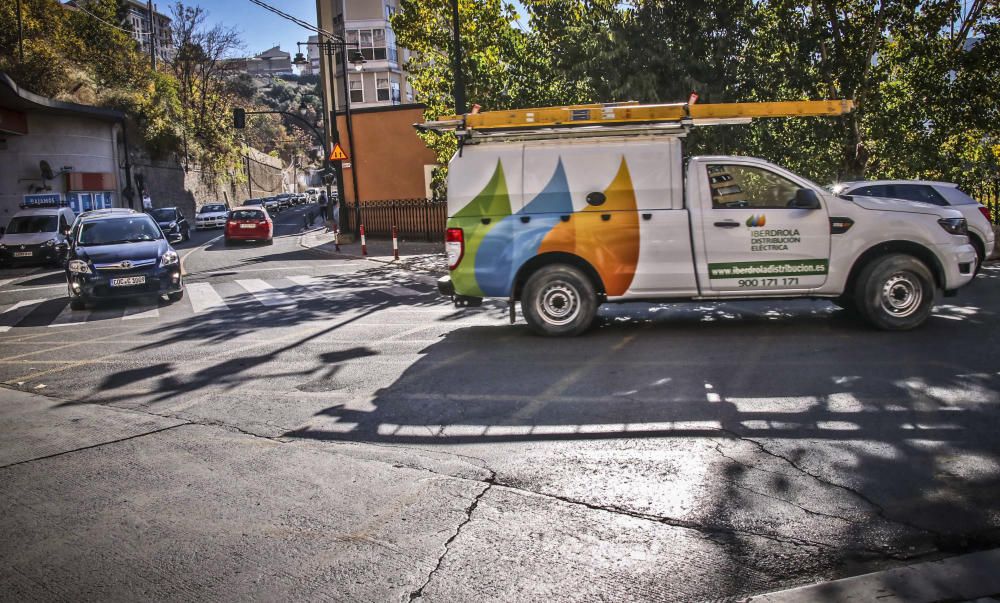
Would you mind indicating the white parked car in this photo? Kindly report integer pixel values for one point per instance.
(945, 194)
(212, 215)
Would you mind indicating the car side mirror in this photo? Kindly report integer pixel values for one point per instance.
(806, 198)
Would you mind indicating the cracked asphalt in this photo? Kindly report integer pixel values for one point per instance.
(349, 436)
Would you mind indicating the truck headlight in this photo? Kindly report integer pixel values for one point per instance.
(79, 267)
(955, 226)
(169, 258)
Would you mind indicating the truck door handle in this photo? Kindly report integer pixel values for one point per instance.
(647, 216)
(727, 224)
(525, 219)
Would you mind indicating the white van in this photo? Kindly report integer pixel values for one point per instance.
(36, 235)
(563, 217)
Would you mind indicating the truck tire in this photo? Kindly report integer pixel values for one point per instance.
(895, 292)
(559, 300)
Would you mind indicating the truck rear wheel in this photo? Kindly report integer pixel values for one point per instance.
(559, 300)
(895, 292)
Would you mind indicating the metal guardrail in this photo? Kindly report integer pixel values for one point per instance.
(414, 218)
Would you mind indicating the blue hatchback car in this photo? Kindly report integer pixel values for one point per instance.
(120, 253)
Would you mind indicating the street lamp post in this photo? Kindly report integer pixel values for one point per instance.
(329, 47)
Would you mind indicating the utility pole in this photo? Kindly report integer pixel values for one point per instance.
(152, 37)
(20, 32)
(459, 79)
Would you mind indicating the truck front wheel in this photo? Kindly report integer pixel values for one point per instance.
(895, 292)
(559, 300)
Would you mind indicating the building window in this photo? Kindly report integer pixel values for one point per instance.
(371, 41)
(357, 89)
(382, 86)
(394, 89)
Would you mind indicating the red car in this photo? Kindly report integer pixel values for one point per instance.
(249, 224)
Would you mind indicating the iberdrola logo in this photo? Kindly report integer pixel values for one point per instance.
(756, 221)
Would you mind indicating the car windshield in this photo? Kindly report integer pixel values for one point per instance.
(210, 209)
(163, 215)
(247, 214)
(119, 230)
(32, 224)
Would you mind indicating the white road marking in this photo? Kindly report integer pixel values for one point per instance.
(139, 312)
(4, 281)
(204, 297)
(399, 291)
(304, 280)
(264, 293)
(68, 316)
(17, 312)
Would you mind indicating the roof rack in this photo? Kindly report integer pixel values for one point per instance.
(616, 119)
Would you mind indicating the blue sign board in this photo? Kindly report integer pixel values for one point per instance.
(43, 200)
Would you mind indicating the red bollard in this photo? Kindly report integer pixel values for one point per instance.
(395, 243)
(364, 247)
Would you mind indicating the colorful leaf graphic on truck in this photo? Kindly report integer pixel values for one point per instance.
(611, 246)
(495, 251)
(757, 221)
(493, 201)
(512, 243)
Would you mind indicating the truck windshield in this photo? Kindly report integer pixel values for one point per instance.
(32, 224)
(120, 230)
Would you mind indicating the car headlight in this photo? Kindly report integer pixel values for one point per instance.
(172, 225)
(955, 226)
(169, 258)
(79, 267)
(50, 243)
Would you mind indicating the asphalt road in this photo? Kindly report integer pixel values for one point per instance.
(302, 425)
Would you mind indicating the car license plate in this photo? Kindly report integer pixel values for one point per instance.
(22, 254)
(248, 226)
(128, 281)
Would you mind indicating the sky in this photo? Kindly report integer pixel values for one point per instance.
(260, 29)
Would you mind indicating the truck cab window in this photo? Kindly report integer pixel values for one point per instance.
(740, 186)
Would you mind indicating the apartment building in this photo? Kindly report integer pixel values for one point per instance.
(383, 81)
(137, 21)
(382, 104)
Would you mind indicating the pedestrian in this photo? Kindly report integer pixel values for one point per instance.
(147, 203)
(323, 206)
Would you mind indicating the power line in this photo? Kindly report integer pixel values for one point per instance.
(128, 31)
(297, 21)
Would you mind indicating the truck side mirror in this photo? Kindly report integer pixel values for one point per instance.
(3, 229)
(806, 198)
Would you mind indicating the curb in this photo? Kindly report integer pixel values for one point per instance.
(962, 578)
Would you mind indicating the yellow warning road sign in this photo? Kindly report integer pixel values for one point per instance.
(338, 153)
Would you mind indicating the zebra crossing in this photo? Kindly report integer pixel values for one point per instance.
(240, 296)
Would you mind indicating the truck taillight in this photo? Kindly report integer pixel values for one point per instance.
(986, 212)
(454, 246)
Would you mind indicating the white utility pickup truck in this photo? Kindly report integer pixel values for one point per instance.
(565, 216)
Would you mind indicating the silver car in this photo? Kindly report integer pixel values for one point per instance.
(936, 193)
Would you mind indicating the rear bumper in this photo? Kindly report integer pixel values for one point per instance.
(445, 286)
(249, 235)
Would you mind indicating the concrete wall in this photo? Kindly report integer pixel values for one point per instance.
(83, 143)
(168, 184)
(389, 158)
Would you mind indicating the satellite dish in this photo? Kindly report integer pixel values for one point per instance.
(46, 170)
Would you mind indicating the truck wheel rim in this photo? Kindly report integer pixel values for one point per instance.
(558, 303)
(901, 295)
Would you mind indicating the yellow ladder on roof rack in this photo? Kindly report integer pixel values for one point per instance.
(631, 113)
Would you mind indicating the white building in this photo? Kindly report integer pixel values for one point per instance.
(382, 81)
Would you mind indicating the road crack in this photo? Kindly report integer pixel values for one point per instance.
(487, 485)
(880, 511)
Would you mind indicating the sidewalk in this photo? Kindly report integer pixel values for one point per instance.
(418, 256)
(974, 577)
